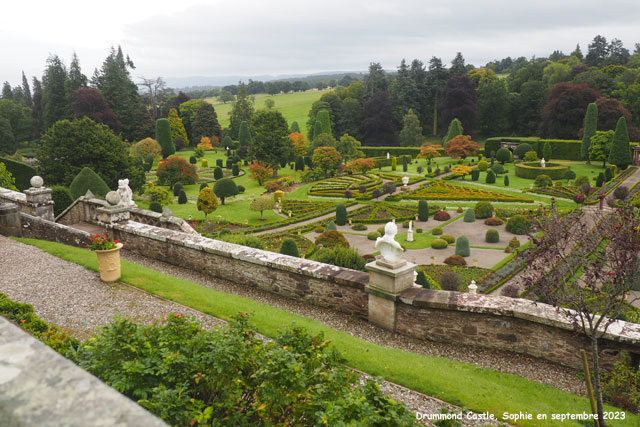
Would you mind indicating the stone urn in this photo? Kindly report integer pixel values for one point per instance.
(109, 263)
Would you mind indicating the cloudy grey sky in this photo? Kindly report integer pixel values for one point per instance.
(180, 38)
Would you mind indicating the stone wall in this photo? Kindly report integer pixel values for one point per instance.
(38, 228)
(39, 387)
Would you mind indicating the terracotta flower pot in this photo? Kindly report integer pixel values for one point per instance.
(109, 263)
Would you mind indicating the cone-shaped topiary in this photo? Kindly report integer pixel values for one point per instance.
(331, 226)
(182, 197)
(469, 215)
(491, 177)
(462, 246)
(163, 136)
(87, 179)
(620, 154)
(289, 247)
(506, 180)
(423, 210)
(590, 128)
(341, 214)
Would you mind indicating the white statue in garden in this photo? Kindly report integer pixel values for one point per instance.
(542, 162)
(387, 156)
(126, 195)
(387, 245)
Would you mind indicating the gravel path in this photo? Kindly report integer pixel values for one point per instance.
(75, 299)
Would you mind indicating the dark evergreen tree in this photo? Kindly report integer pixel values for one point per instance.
(590, 128)
(598, 51)
(620, 154)
(76, 78)
(205, 123)
(436, 80)
(56, 102)
(577, 53)
(403, 93)
(423, 210)
(242, 111)
(455, 129)
(26, 91)
(351, 118)
(36, 110)
(458, 67)
(295, 128)
(322, 124)
(163, 136)
(411, 133)
(7, 92)
(493, 108)
(459, 101)
(89, 102)
(527, 106)
(224, 188)
(341, 214)
(377, 125)
(271, 138)
(376, 79)
(289, 247)
(316, 107)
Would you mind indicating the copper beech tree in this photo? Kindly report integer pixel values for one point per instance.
(461, 146)
(587, 268)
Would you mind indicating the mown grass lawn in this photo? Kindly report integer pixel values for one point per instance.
(462, 384)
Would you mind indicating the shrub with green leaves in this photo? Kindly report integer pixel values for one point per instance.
(341, 214)
(450, 281)
(423, 210)
(469, 216)
(497, 169)
(155, 207)
(483, 165)
(455, 260)
(87, 179)
(491, 177)
(503, 155)
(568, 175)
(217, 173)
(506, 180)
(483, 210)
(359, 227)
(622, 386)
(289, 247)
(581, 180)
(373, 235)
(439, 244)
(462, 246)
(492, 236)
(182, 197)
(522, 149)
(341, 257)
(62, 199)
(244, 240)
(518, 224)
(448, 237)
(543, 181)
(436, 231)
(177, 188)
(183, 373)
(159, 195)
(331, 226)
(475, 174)
(331, 239)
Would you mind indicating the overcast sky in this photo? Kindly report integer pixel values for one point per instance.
(181, 38)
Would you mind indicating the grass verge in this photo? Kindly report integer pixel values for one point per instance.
(462, 384)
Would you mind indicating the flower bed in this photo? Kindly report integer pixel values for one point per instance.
(383, 212)
(438, 190)
(466, 273)
(304, 207)
(611, 185)
(272, 242)
(565, 191)
(335, 187)
(530, 170)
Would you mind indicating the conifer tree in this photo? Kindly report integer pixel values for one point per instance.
(205, 123)
(295, 127)
(590, 128)
(546, 151)
(411, 133)
(26, 91)
(620, 154)
(455, 129)
(325, 121)
(244, 136)
(56, 103)
(177, 127)
(76, 78)
(163, 136)
(242, 111)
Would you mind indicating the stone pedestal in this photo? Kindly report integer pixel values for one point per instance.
(10, 220)
(386, 282)
(40, 202)
(113, 214)
(410, 236)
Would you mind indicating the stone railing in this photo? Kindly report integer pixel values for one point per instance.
(39, 387)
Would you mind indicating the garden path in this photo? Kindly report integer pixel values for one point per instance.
(309, 221)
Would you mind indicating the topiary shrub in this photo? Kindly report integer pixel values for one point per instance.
(419, 230)
(87, 179)
(204, 184)
(235, 169)
(455, 260)
(493, 221)
(518, 224)
(155, 207)
(436, 231)
(193, 160)
(621, 192)
(182, 197)
(543, 181)
(341, 214)
(475, 174)
(373, 235)
(226, 187)
(177, 188)
(448, 237)
(421, 279)
(240, 189)
(492, 236)
(506, 180)
(469, 216)
(219, 163)
(514, 243)
(204, 163)
(423, 210)
(600, 179)
(319, 229)
(462, 246)
(439, 244)
(61, 197)
(459, 210)
(442, 216)
(483, 165)
(331, 239)
(405, 224)
(483, 210)
(331, 226)
(608, 174)
(380, 230)
(569, 175)
(289, 247)
(503, 155)
(582, 179)
(341, 257)
(497, 169)
(491, 177)
(359, 227)
(450, 281)
(217, 173)
(522, 149)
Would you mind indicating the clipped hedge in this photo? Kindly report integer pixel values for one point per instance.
(439, 244)
(530, 170)
(562, 149)
(87, 179)
(394, 151)
(21, 172)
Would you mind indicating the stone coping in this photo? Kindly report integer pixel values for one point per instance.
(39, 387)
(12, 196)
(519, 308)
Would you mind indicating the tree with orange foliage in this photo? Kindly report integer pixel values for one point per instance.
(429, 152)
(361, 165)
(461, 146)
(205, 143)
(260, 172)
(299, 143)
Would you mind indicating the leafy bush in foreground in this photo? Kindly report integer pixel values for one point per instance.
(227, 376)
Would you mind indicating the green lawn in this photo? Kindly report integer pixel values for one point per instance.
(294, 106)
(462, 384)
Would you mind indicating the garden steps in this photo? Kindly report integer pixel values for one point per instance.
(89, 228)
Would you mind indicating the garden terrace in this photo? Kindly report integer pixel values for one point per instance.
(335, 187)
(438, 190)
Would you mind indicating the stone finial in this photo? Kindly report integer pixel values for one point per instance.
(473, 288)
(113, 198)
(36, 181)
(390, 250)
(89, 195)
(166, 212)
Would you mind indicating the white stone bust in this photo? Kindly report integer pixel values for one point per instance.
(390, 250)
(542, 162)
(126, 195)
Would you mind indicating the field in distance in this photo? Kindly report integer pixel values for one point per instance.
(294, 106)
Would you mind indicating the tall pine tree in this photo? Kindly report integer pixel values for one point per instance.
(590, 128)
(26, 91)
(163, 136)
(242, 111)
(205, 123)
(56, 100)
(620, 154)
(411, 133)
(76, 78)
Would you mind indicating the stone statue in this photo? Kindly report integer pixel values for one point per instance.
(542, 162)
(387, 156)
(410, 232)
(387, 245)
(126, 195)
(405, 180)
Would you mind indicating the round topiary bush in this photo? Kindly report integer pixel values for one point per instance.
(240, 188)
(569, 175)
(442, 216)
(155, 207)
(621, 192)
(522, 149)
(459, 210)
(462, 246)
(469, 215)
(373, 235)
(405, 224)
(182, 197)
(543, 181)
(217, 173)
(492, 236)
(419, 230)
(177, 188)
(582, 179)
(455, 260)
(483, 165)
(497, 169)
(514, 243)
(491, 177)
(331, 239)
(436, 231)
(503, 155)
(289, 247)
(493, 221)
(380, 230)
(193, 160)
(483, 210)
(359, 227)
(450, 281)
(448, 237)
(439, 244)
(518, 224)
